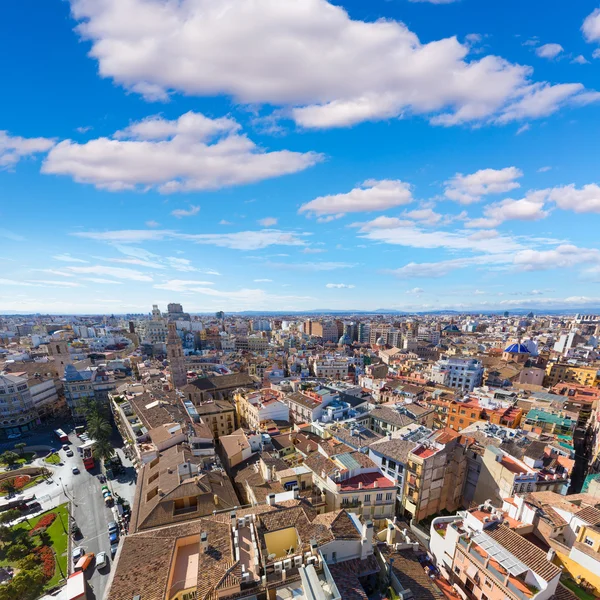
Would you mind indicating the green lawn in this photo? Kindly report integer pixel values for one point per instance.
(569, 583)
(53, 459)
(59, 541)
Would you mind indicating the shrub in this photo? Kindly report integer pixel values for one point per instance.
(15, 483)
(43, 523)
(46, 557)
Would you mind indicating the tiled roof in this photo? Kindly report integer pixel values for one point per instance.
(590, 515)
(530, 555)
(391, 416)
(223, 382)
(303, 399)
(341, 525)
(368, 481)
(318, 463)
(397, 450)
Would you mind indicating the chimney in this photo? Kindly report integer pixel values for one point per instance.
(366, 545)
(296, 492)
(367, 531)
(313, 547)
(360, 485)
(233, 516)
(204, 541)
(375, 484)
(216, 499)
(390, 535)
(271, 499)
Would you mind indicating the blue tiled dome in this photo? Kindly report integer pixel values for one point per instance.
(517, 349)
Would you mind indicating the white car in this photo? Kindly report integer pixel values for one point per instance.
(101, 560)
(77, 553)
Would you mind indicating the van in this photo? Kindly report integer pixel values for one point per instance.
(84, 562)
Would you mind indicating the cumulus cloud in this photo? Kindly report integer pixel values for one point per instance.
(369, 196)
(583, 200)
(580, 60)
(182, 212)
(13, 148)
(549, 50)
(565, 255)
(192, 152)
(383, 223)
(339, 285)
(241, 240)
(468, 189)
(591, 26)
(530, 208)
(425, 215)
(308, 56)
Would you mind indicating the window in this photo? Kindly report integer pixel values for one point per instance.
(484, 597)
(378, 498)
(457, 570)
(488, 583)
(388, 496)
(588, 541)
(577, 529)
(325, 556)
(383, 462)
(367, 498)
(334, 556)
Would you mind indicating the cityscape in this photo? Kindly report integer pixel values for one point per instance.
(299, 300)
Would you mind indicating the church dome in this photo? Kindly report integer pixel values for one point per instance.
(381, 341)
(345, 340)
(517, 349)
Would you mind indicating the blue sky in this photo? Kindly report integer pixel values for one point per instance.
(296, 154)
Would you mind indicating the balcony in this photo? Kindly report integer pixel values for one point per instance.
(350, 504)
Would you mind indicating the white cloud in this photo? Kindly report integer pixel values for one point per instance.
(425, 215)
(414, 237)
(263, 281)
(591, 26)
(152, 224)
(371, 195)
(189, 153)
(339, 286)
(11, 235)
(68, 258)
(544, 169)
(417, 291)
(414, 270)
(268, 222)
(224, 222)
(55, 283)
(580, 60)
(384, 223)
(241, 240)
(311, 266)
(308, 55)
(313, 251)
(181, 285)
(523, 128)
(565, 255)
(549, 50)
(182, 212)
(596, 53)
(13, 148)
(468, 189)
(55, 272)
(117, 272)
(582, 200)
(530, 208)
(103, 281)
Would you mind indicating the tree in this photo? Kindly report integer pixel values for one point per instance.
(103, 450)
(8, 486)
(9, 458)
(9, 515)
(17, 551)
(20, 447)
(99, 429)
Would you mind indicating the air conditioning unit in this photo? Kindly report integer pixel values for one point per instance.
(278, 567)
(297, 561)
(287, 563)
(312, 560)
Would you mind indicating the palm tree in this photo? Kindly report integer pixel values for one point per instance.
(99, 429)
(103, 450)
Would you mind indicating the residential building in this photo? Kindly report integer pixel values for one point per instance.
(256, 408)
(435, 475)
(557, 372)
(18, 413)
(483, 557)
(93, 384)
(459, 373)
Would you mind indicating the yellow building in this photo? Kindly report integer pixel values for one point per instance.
(584, 375)
(582, 562)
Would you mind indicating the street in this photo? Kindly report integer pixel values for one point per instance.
(88, 509)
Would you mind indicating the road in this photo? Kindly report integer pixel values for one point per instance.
(87, 504)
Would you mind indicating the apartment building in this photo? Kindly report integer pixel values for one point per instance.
(385, 419)
(353, 481)
(435, 475)
(256, 408)
(546, 421)
(581, 374)
(485, 559)
(93, 384)
(330, 368)
(17, 408)
(219, 415)
(463, 374)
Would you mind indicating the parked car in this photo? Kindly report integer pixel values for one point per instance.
(113, 537)
(75, 531)
(113, 527)
(65, 447)
(77, 553)
(75, 471)
(69, 452)
(84, 562)
(101, 560)
(113, 548)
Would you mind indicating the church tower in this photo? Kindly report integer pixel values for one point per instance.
(176, 359)
(59, 350)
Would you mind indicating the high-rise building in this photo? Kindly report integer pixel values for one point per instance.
(176, 358)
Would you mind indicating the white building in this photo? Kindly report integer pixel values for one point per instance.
(461, 373)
